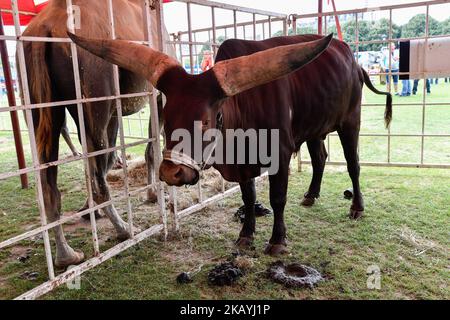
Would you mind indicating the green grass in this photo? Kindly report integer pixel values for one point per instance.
(407, 212)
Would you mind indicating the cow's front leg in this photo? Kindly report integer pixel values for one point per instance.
(248, 191)
(278, 190)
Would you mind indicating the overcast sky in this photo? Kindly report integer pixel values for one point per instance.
(176, 17)
(175, 13)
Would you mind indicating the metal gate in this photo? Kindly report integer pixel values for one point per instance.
(168, 210)
(241, 23)
(422, 137)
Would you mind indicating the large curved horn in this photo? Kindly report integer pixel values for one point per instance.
(140, 59)
(243, 73)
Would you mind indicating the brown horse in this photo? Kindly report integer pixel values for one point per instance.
(51, 78)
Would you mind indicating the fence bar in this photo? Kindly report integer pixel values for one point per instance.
(120, 122)
(37, 177)
(390, 165)
(88, 265)
(82, 130)
(214, 35)
(424, 99)
(254, 26)
(372, 9)
(232, 7)
(319, 19)
(191, 54)
(154, 117)
(235, 24)
(173, 207)
(391, 80)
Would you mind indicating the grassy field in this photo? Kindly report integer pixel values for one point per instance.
(404, 231)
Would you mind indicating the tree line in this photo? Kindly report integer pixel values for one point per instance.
(379, 30)
(372, 30)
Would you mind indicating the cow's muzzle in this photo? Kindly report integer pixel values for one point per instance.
(177, 174)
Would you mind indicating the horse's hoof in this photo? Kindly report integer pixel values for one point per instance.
(88, 216)
(152, 197)
(244, 242)
(308, 202)
(355, 214)
(125, 234)
(276, 249)
(75, 258)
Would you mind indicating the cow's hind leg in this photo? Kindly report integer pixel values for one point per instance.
(65, 255)
(318, 155)
(248, 191)
(349, 135)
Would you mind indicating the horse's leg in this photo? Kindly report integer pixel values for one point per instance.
(66, 135)
(318, 155)
(99, 167)
(65, 255)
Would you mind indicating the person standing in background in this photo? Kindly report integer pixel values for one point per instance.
(207, 62)
(416, 83)
(406, 88)
(390, 58)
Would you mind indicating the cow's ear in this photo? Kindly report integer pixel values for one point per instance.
(139, 59)
(243, 73)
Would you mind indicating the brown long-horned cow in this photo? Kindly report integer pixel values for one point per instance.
(303, 86)
(51, 78)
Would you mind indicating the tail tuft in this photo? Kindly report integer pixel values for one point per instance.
(388, 110)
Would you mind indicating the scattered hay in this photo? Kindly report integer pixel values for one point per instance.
(137, 174)
(244, 263)
(412, 239)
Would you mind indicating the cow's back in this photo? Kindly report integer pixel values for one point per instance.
(319, 95)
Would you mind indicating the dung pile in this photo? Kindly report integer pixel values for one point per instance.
(294, 275)
(224, 274)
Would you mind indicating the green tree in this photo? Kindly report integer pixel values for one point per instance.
(445, 26)
(207, 47)
(416, 27)
(379, 30)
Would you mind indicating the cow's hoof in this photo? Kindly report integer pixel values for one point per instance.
(308, 202)
(76, 257)
(276, 249)
(355, 214)
(125, 234)
(244, 242)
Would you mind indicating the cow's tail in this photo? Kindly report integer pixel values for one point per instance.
(40, 91)
(388, 110)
